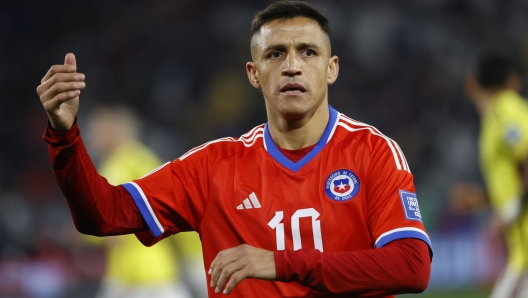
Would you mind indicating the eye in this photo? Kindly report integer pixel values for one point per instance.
(275, 55)
(309, 53)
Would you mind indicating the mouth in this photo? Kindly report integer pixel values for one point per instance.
(292, 89)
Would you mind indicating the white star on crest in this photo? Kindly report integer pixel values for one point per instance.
(341, 186)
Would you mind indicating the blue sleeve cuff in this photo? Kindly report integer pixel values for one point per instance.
(401, 233)
(144, 207)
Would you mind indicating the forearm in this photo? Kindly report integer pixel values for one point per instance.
(97, 208)
(402, 266)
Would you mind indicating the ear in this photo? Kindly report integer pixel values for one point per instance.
(333, 70)
(252, 74)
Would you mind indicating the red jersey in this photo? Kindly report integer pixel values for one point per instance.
(352, 191)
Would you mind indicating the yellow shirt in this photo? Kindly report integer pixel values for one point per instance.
(503, 148)
(128, 261)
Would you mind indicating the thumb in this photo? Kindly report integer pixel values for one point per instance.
(70, 59)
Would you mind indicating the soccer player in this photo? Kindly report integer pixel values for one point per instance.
(504, 158)
(310, 204)
(133, 270)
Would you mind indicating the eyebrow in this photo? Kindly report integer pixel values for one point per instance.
(282, 47)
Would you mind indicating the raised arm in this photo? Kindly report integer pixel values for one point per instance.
(97, 207)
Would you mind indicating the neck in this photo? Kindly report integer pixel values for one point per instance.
(482, 105)
(485, 99)
(299, 132)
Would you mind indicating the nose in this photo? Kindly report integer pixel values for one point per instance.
(291, 66)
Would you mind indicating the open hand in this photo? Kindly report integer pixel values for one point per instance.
(235, 264)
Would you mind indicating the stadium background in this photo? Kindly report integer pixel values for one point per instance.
(180, 64)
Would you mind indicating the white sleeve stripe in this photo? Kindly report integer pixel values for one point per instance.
(155, 170)
(148, 206)
(249, 133)
(359, 123)
(252, 131)
(394, 154)
(257, 136)
(194, 150)
(401, 230)
(404, 159)
(246, 142)
(254, 136)
(389, 140)
(400, 154)
(374, 131)
(248, 137)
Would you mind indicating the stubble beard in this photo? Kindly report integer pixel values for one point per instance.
(290, 107)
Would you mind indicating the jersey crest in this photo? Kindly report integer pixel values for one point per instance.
(342, 185)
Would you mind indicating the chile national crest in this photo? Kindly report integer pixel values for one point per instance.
(342, 185)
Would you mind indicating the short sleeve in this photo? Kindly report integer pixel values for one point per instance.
(511, 111)
(171, 199)
(392, 204)
(515, 136)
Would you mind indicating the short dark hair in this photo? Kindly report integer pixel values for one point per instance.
(493, 70)
(289, 9)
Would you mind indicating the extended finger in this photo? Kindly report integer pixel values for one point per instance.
(221, 257)
(235, 279)
(60, 77)
(218, 268)
(226, 273)
(61, 87)
(59, 69)
(59, 99)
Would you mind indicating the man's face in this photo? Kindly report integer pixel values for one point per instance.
(292, 66)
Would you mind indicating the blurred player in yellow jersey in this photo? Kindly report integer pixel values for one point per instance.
(134, 270)
(503, 146)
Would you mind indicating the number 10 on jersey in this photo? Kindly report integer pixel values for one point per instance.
(277, 224)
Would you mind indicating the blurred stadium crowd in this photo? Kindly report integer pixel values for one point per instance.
(180, 65)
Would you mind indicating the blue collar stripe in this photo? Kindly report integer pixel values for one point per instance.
(296, 166)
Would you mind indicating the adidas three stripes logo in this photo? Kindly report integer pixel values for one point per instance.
(250, 203)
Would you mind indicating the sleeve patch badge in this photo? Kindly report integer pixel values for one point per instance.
(513, 135)
(410, 205)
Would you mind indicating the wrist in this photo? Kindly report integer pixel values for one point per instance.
(57, 127)
(60, 138)
(271, 270)
(296, 265)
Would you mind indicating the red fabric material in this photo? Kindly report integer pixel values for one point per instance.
(297, 154)
(402, 266)
(91, 199)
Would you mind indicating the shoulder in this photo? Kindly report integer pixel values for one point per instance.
(228, 146)
(378, 144)
(509, 106)
(507, 118)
